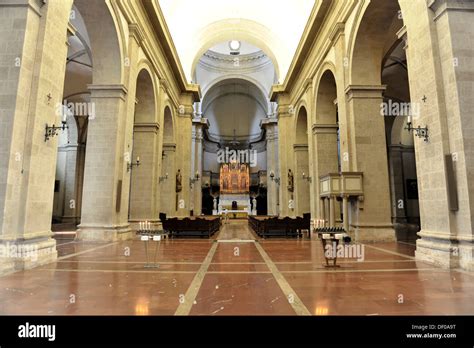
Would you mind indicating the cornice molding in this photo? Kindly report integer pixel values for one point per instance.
(337, 32)
(136, 32)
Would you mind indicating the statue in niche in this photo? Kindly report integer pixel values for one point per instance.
(291, 181)
(179, 181)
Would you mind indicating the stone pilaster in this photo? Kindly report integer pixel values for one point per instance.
(286, 115)
(325, 156)
(105, 198)
(442, 83)
(199, 125)
(167, 180)
(33, 51)
(302, 185)
(184, 126)
(144, 179)
(271, 131)
(371, 220)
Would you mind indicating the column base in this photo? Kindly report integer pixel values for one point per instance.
(17, 255)
(373, 233)
(90, 233)
(445, 250)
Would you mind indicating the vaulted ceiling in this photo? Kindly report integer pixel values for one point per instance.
(275, 26)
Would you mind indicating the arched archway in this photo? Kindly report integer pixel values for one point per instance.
(301, 156)
(168, 198)
(72, 143)
(374, 37)
(145, 138)
(398, 112)
(326, 137)
(379, 26)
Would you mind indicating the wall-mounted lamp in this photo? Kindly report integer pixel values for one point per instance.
(308, 178)
(419, 132)
(163, 178)
(131, 165)
(195, 179)
(273, 178)
(52, 131)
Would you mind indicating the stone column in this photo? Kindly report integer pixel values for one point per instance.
(440, 53)
(33, 50)
(397, 182)
(199, 125)
(72, 184)
(168, 180)
(271, 131)
(183, 154)
(302, 186)
(285, 154)
(325, 159)
(144, 179)
(105, 200)
(345, 212)
(372, 220)
(332, 211)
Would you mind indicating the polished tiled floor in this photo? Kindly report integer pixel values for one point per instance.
(235, 274)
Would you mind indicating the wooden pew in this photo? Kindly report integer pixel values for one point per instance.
(199, 227)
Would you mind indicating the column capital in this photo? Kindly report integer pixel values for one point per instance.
(201, 123)
(325, 128)
(268, 122)
(300, 147)
(146, 127)
(365, 91)
(169, 147)
(35, 5)
(108, 91)
(441, 7)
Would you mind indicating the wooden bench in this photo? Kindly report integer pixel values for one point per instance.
(196, 227)
(280, 227)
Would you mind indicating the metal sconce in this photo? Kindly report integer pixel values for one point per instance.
(163, 178)
(273, 178)
(52, 131)
(131, 165)
(308, 178)
(195, 179)
(419, 132)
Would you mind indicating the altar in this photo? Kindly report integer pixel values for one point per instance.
(239, 204)
(234, 190)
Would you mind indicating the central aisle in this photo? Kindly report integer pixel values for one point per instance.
(235, 230)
